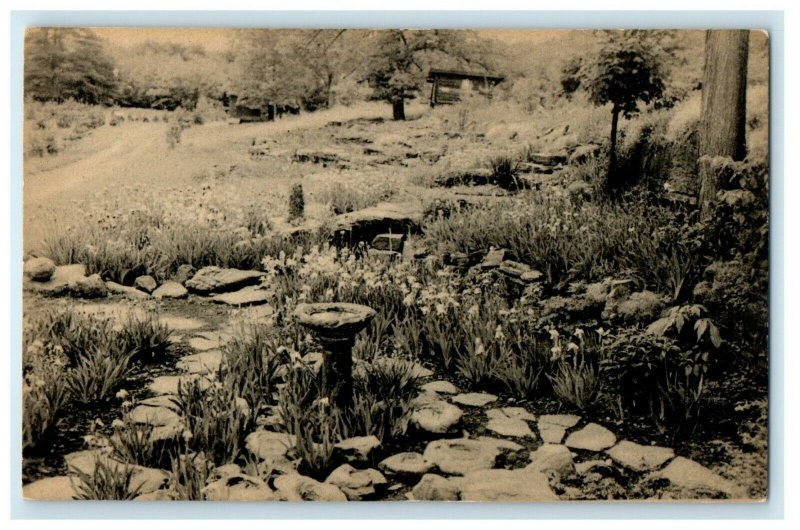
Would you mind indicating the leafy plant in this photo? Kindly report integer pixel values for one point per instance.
(97, 375)
(253, 359)
(110, 481)
(679, 316)
(189, 474)
(147, 339)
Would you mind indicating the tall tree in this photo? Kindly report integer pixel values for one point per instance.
(397, 67)
(627, 69)
(67, 63)
(722, 118)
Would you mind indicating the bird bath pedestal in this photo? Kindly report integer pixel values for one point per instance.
(335, 326)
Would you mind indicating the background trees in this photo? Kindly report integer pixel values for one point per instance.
(400, 60)
(67, 63)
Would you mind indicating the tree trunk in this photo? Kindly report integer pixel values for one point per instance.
(722, 118)
(399, 109)
(612, 178)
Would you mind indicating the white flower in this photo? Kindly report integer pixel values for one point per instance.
(122, 394)
(572, 347)
(554, 334)
(118, 424)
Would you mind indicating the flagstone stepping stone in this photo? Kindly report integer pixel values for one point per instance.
(640, 457)
(166, 423)
(218, 280)
(437, 416)
(688, 474)
(256, 313)
(518, 413)
(506, 445)
(252, 295)
(407, 464)
(295, 487)
(356, 449)
(238, 487)
(357, 484)
(440, 387)
(201, 363)
(434, 488)
(268, 445)
(504, 485)
(589, 465)
(474, 399)
(170, 289)
(552, 457)
(505, 426)
(51, 489)
(205, 342)
(182, 323)
(593, 437)
(168, 384)
(553, 427)
(461, 455)
(144, 479)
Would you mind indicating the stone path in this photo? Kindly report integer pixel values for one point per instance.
(524, 460)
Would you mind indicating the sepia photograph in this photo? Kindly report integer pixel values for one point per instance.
(495, 265)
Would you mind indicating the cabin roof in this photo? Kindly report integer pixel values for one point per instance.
(436, 73)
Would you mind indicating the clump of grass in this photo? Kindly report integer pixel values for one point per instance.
(110, 481)
(253, 358)
(190, 473)
(147, 339)
(43, 401)
(575, 383)
(133, 442)
(97, 375)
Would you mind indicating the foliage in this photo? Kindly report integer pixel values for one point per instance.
(108, 481)
(147, 338)
(253, 359)
(189, 474)
(575, 379)
(97, 375)
(44, 394)
(132, 442)
(67, 63)
(296, 203)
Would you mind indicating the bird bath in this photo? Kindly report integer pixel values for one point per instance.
(335, 326)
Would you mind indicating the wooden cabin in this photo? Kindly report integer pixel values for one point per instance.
(450, 86)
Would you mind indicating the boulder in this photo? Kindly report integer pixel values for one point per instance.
(269, 446)
(363, 225)
(548, 159)
(435, 488)
(392, 242)
(593, 437)
(183, 274)
(436, 416)
(357, 484)
(356, 449)
(218, 280)
(89, 287)
(39, 269)
(238, 487)
(295, 487)
(246, 296)
(462, 455)
(172, 290)
(145, 283)
(494, 258)
(640, 457)
(504, 485)
(128, 292)
(407, 464)
(552, 457)
(59, 281)
(642, 306)
(51, 489)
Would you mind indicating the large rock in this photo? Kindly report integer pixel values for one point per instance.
(90, 287)
(405, 465)
(548, 159)
(462, 455)
(238, 487)
(39, 269)
(51, 489)
(166, 423)
(640, 457)
(504, 485)
(183, 274)
(435, 488)
(363, 225)
(552, 457)
(519, 272)
(688, 474)
(439, 387)
(593, 437)
(218, 280)
(58, 284)
(269, 446)
(295, 487)
(129, 292)
(172, 290)
(245, 296)
(143, 480)
(356, 449)
(436, 416)
(145, 283)
(357, 484)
